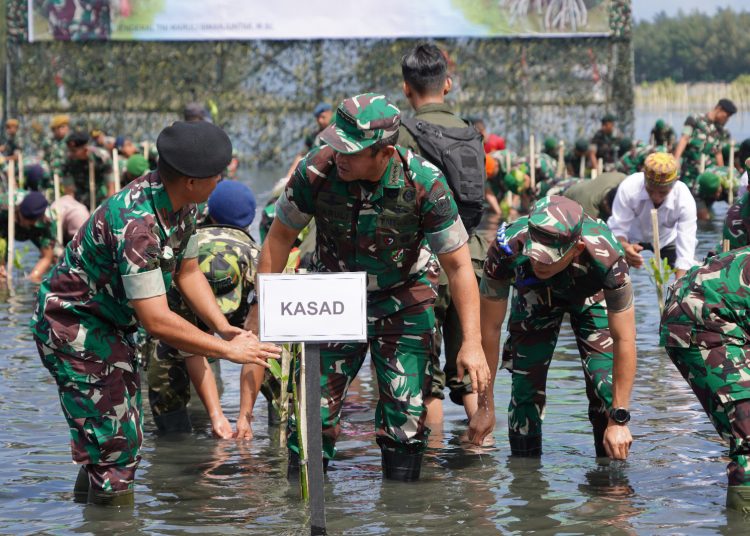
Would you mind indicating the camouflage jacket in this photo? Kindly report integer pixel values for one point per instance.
(605, 146)
(388, 229)
(707, 306)
(76, 20)
(11, 144)
(737, 223)
(704, 137)
(55, 152)
(130, 249)
(601, 266)
(77, 171)
(241, 249)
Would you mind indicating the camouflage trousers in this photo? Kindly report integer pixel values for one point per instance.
(403, 367)
(534, 326)
(448, 329)
(102, 404)
(724, 393)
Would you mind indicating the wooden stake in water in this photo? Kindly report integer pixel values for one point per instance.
(582, 167)
(11, 249)
(116, 168)
(561, 159)
(92, 187)
(532, 163)
(724, 245)
(730, 193)
(655, 232)
(594, 173)
(145, 149)
(21, 183)
(57, 215)
(314, 449)
(600, 166)
(702, 166)
(507, 161)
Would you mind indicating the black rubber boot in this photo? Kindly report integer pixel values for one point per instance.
(81, 487)
(174, 422)
(100, 497)
(292, 468)
(599, 422)
(401, 466)
(525, 446)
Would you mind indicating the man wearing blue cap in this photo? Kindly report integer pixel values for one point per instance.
(323, 114)
(33, 222)
(227, 255)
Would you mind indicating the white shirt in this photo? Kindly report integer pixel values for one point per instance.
(631, 218)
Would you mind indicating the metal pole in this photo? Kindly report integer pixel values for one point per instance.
(314, 451)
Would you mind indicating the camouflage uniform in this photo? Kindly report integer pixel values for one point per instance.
(42, 234)
(597, 277)
(389, 229)
(55, 153)
(704, 137)
(131, 248)
(77, 172)
(590, 194)
(496, 182)
(11, 143)
(606, 147)
(705, 331)
(225, 253)
(78, 20)
(737, 223)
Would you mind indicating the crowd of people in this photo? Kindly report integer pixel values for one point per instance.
(168, 261)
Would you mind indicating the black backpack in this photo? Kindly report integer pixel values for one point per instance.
(459, 153)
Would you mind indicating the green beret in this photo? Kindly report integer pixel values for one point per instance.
(625, 145)
(660, 124)
(136, 165)
(550, 144)
(582, 145)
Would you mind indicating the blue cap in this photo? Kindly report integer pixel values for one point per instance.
(232, 203)
(320, 108)
(119, 142)
(33, 205)
(34, 176)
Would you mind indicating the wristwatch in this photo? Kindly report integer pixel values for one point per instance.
(619, 415)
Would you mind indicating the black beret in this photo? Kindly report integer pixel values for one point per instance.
(728, 106)
(77, 138)
(196, 149)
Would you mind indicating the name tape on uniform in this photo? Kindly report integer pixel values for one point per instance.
(313, 307)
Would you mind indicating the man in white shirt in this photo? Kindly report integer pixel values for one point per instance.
(657, 187)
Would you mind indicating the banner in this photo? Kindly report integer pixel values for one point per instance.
(201, 20)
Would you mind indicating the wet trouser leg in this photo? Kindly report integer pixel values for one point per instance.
(533, 328)
(169, 390)
(596, 347)
(102, 405)
(718, 377)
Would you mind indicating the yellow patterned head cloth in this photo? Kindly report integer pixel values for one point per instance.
(59, 120)
(660, 168)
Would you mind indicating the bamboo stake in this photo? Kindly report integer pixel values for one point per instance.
(92, 187)
(145, 149)
(724, 245)
(21, 175)
(730, 194)
(594, 173)
(561, 159)
(600, 166)
(11, 249)
(582, 167)
(116, 168)
(702, 166)
(57, 215)
(655, 231)
(507, 161)
(532, 163)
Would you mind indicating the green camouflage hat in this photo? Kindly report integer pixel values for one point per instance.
(360, 122)
(220, 264)
(550, 144)
(555, 225)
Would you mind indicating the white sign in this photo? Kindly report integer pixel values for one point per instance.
(313, 307)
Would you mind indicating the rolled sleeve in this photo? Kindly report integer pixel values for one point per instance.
(449, 239)
(144, 284)
(191, 250)
(290, 215)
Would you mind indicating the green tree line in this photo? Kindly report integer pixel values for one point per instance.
(693, 47)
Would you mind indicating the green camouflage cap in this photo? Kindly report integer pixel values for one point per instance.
(555, 225)
(220, 264)
(360, 122)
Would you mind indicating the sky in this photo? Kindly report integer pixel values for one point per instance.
(646, 9)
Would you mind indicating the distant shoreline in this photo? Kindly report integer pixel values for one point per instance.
(665, 94)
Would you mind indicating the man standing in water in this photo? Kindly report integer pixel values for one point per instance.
(560, 261)
(383, 210)
(113, 276)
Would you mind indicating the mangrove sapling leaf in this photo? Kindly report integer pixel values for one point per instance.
(18, 257)
(659, 275)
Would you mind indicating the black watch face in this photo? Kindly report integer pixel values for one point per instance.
(621, 415)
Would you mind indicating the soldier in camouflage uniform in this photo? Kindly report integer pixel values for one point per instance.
(604, 145)
(227, 255)
(737, 221)
(574, 155)
(112, 276)
(33, 222)
(78, 20)
(596, 197)
(560, 261)
(703, 134)
(705, 331)
(663, 134)
(75, 169)
(10, 143)
(383, 210)
(54, 149)
(712, 185)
